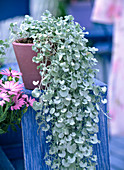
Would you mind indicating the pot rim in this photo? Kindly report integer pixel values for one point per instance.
(21, 44)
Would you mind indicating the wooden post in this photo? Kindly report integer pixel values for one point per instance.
(4, 162)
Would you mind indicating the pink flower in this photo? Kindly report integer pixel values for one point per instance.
(11, 87)
(25, 96)
(12, 73)
(28, 101)
(18, 102)
(3, 98)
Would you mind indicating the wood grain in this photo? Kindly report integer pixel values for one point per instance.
(102, 149)
(4, 162)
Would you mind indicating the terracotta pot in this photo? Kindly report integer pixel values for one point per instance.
(24, 55)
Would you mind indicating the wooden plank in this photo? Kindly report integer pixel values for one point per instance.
(14, 151)
(4, 162)
(11, 137)
(34, 143)
(102, 149)
(18, 164)
(35, 146)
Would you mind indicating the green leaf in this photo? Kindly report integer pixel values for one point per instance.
(59, 125)
(104, 101)
(57, 100)
(79, 154)
(69, 114)
(62, 82)
(69, 138)
(56, 114)
(71, 121)
(71, 159)
(61, 135)
(46, 128)
(74, 84)
(52, 110)
(73, 134)
(79, 118)
(3, 116)
(25, 110)
(104, 89)
(63, 110)
(65, 163)
(83, 165)
(37, 106)
(2, 131)
(71, 148)
(80, 140)
(48, 162)
(36, 92)
(63, 93)
(94, 139)
(88, 124)
(62, 155)
(77, 66)
(97, 107)
(66, 102)
(48, 118)
(13, 127)
(94, 158)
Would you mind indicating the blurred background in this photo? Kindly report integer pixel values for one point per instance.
(100, 35)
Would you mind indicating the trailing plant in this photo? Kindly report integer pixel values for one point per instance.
(68, 107)
(3, 46)
(13, 102)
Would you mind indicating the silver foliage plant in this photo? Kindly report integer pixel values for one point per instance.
(3, 46)
(68, 106)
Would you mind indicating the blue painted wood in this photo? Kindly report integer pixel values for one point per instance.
(102, 149)
(18, 164)
(13, 151)
(11, 137)
(11, 143)
(34, 143)
(5, 164)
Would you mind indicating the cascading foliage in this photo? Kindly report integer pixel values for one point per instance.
(3, 46)
(69, 104)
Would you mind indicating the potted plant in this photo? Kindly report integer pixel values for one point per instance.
(23, 38)
(69, 105)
